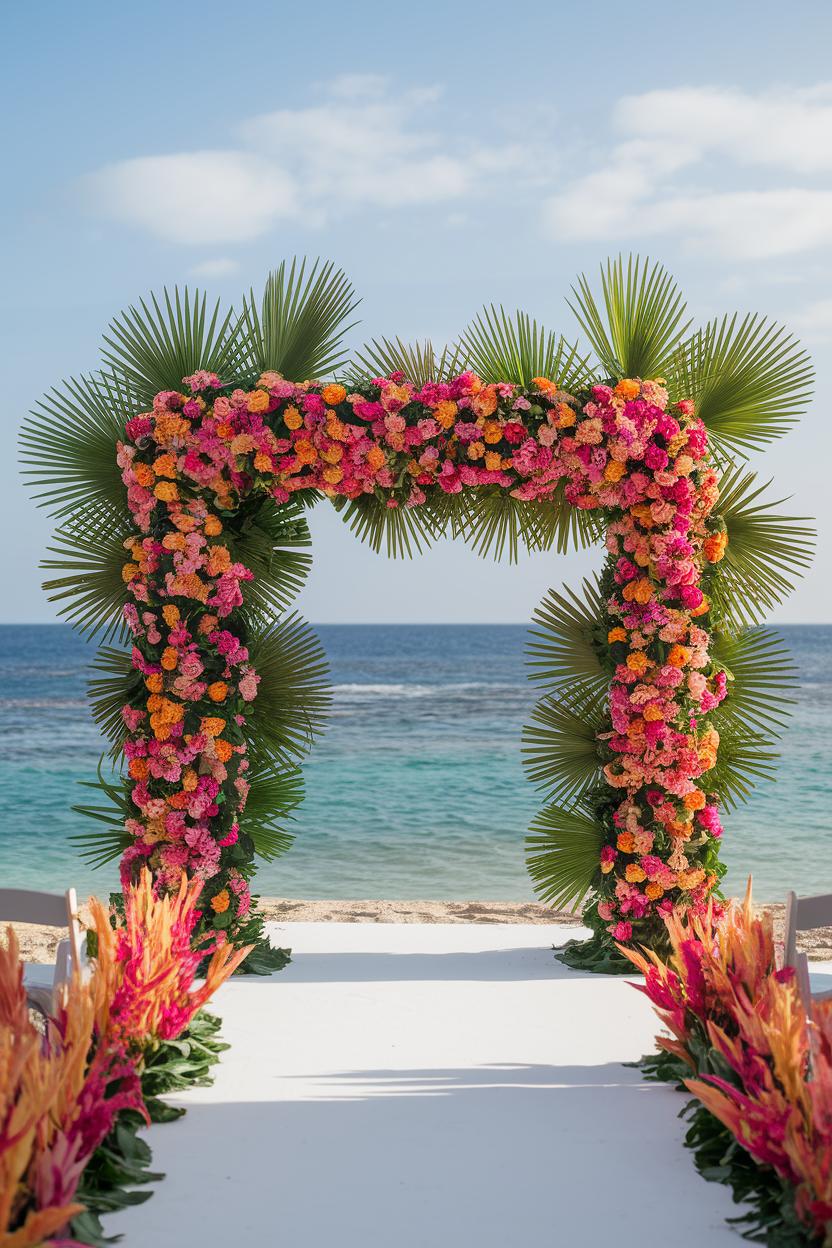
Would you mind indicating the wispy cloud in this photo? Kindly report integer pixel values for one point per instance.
(219, 266)
(688, 162)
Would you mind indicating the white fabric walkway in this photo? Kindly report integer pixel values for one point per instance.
(411, 1085)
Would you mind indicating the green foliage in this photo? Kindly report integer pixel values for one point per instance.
(116, 686)
(761, 679)
(492, 522)
(89, 554)
(271, 800)
(155, 345)
(767, 551)
(563, 650)
(272, 540)
(418, 361)
(68, 444)
(744, 758)
(750, 380)
(638, 329)
(300, 326)
(560, 745)
(109, 841)
(399, 531)
(562, 851)
(560, 526)
(501, 348)
(293, 696)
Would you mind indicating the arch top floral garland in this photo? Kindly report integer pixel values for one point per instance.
(194, 462)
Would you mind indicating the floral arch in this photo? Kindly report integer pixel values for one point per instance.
(181, 472)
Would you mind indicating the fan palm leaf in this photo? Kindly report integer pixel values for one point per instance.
(562, 852)
(293, 696)
(109, 841)
(400, 531)
(767, 551)
(115, 683)
(271, 799)
(744, 758)
(156, 344)
(762, 677)
(560, 746)
(499, 347)
(640, 325)
(750, 381)
(89, 554)
(494, 522)
(299, 328)
(562, 652)
(271, 541)
(68, 444)
(419, 361)
(560, 526)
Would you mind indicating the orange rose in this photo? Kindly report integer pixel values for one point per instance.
(614, 471)
(694, 800)
(129, 572)
(634, 874)
(445, 413)
(626, 842)
(638, 662)
(628, 389)
(165, 466)
(714, 546)
(654, 891)
(166, 492)
(678, 656)
(333, 394)
(376, 458)
(170, 614)
(212, 526)
(144, 474)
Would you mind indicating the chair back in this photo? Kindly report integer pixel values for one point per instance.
(23, 905)
(803, 914)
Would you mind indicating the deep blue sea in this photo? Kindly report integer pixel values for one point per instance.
(416, 790)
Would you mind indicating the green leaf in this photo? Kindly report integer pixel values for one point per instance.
(118, 684)
(762, 677)
(154, 346)
(744, 757)
(560, 747)
(272, 798)
(418, 361)
(89, 554)
(750, 381)
(562, 851)
(637, 331)
(493, 522)
(560, 526)
(767, 551)
(109, 842)
(516, 349)
(271, 542)
(68, 444)
(562, 653)
(400, 531)
(299, 328)
(293, 696)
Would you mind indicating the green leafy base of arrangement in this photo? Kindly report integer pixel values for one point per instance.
(265, 959)
(770, 1216)
(597, 954)
(121, 1164)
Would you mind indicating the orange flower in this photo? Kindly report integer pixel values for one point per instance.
(138, 768)
(166, 491)
(332, 454)
(170, 657)
(189, 780)
(129, 572)
(485, 403)
(445, 413)
(258, 401)
(154, 683)
(333, 394)
(262, 462)
(219, 560)
(678, 656)
(492, 431)
(218, 691)
(614, 471)
(654, 891)
(714, 546)
(703, 608)
(634, 874)
(208, 623)
(626, 842)
(640, 590)
(165, 465)
(653, 713)
(223, 749)
(694, 800)
(170, 614)
(493, 461)
(476, 450)
(292, 418)
(376, 458)
(144, 474)
(566, 416)
(638, 662)
(211, 725)
(221, 901)
(333, 475)
(545, 385)
(616, 634)
(628, 389)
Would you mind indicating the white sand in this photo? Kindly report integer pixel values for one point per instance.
(427, 1085)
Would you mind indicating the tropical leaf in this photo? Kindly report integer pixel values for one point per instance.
(767, 551)
(562, 853)
(560, 747)
(107, 842)
(154, 346)
(743, 759)
(560, 526)
(762, 677)
(516, 349)
(418, 361)
(68, 444)
(117, 684)
(299, 328)
(271, 541)
(562, 651)
(89, 554)
(493, 522)
(293, 695)
(750, 380)
(640, 326)
(400, 531)
(271, 799)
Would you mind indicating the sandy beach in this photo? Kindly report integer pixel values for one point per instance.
(38, 943)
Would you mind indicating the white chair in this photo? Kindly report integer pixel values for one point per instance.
(802, 915)
(22, 905)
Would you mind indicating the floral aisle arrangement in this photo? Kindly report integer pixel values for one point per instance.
(660, 704)
(73, 1096)
(760, 1070)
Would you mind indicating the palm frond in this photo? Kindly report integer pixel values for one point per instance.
(750, 380)
(271, 541)
(154, 345)
(494, 522)
(299, 327)
(516, 349)
(767, 551)
(400, 531)
(762, 678)
(271, 799)
(117, 683)
(89, 554)
(560, 747)
(743, 759)
(293, 695)
(560, 526)
(419, 361)
(562, 853)
(637, 331)
(562, 651)
(107, 842)
(68, 444)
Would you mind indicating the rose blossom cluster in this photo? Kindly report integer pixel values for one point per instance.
(189, 463)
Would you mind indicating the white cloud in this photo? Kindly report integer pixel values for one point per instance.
(220, 266)
(815, 321)
(359, 147)
(674, 172)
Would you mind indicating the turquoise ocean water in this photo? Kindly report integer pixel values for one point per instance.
(416, 790)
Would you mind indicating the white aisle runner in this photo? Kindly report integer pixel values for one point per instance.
(422, 1086)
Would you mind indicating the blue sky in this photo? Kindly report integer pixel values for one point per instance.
(445, 155)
